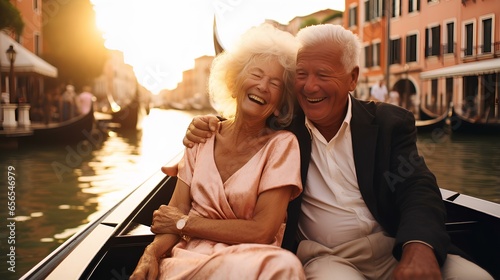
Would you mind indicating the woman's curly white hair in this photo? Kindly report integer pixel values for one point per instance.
(263, 42)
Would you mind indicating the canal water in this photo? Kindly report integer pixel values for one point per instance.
(60, 189)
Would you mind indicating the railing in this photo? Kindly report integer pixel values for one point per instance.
(481, 50)
(496, 48)
(464, 2)
(449, 48)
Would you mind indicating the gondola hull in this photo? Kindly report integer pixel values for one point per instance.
(461, 124)
(431, 125)
(73, 130)
(111, 246)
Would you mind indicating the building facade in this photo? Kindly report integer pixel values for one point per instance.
(421, 47)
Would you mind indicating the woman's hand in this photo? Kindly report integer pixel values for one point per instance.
(165, 219)
(170, 170)
(148, 266)
(200, 128)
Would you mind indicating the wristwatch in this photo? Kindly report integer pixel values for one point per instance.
(181, 223)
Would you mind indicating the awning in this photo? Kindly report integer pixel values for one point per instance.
(26, 61)
(465, 69)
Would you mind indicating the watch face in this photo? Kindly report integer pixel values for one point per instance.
(181, 223)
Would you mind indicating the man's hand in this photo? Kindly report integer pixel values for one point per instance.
(200, 129)
(417, 262)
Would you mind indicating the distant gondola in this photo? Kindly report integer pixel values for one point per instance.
(462, 124)
(431, 124)
(73, 130)
(128, 116)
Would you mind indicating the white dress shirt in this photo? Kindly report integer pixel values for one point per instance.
(333, 211)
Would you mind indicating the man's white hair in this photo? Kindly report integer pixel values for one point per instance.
(337, 38)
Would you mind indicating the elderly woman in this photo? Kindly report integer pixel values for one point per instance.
(226, 217)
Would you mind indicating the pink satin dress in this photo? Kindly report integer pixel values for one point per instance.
(277, 164)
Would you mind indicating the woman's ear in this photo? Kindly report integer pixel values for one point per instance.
(277, 113)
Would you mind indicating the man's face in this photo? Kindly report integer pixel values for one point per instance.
(322, 85)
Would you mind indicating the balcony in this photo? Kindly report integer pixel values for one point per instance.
(464, 2)
(481, 51)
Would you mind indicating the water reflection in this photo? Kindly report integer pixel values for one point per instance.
(60, 189)
(468, 164)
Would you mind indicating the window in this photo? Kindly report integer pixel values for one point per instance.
(37, 44)
(487, 35)
(376, 54)
(411, 48)
(374, 9)
(469, 39)
(368, 56)
(372, 55)
(353, 16)
(378, 8)
(413, 6)
(396, 8)
(432, 41)
(367, 10)
(449, 46)
(395, 51)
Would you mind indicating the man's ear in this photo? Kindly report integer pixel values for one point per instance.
(354, 78)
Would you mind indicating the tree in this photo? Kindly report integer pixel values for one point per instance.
(10, 17)
(72, 42)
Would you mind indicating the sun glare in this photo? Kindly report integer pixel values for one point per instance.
(161, 38)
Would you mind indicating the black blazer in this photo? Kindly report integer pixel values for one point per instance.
(398, 188)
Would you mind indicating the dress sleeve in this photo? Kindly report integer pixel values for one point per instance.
(282, 166)
(186, 165)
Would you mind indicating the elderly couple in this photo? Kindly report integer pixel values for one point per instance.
(293, 190)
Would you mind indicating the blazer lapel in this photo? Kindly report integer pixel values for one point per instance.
(364, 142)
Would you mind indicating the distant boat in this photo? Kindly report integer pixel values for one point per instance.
(73, 130)
(429, 124)
(425, 114)
(462, 124)
(127, 116)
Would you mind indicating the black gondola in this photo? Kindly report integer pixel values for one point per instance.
(433, 124)
(73, 130)
(462, 124)
(111, 246)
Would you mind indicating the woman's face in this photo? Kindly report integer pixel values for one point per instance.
(261, 88)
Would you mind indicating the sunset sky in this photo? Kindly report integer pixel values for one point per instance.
(161, 38)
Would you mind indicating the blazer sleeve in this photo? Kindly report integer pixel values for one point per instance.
(417, 197)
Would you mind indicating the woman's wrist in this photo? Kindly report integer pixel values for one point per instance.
(153, 251)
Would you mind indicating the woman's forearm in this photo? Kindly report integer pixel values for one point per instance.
(162, 244)
(269, 215)
(230, 231)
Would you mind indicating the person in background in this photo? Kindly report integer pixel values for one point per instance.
(371, 208)
(378, 92)
(393, 97)
(85, 100)
(67, 104)
(226, 216)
